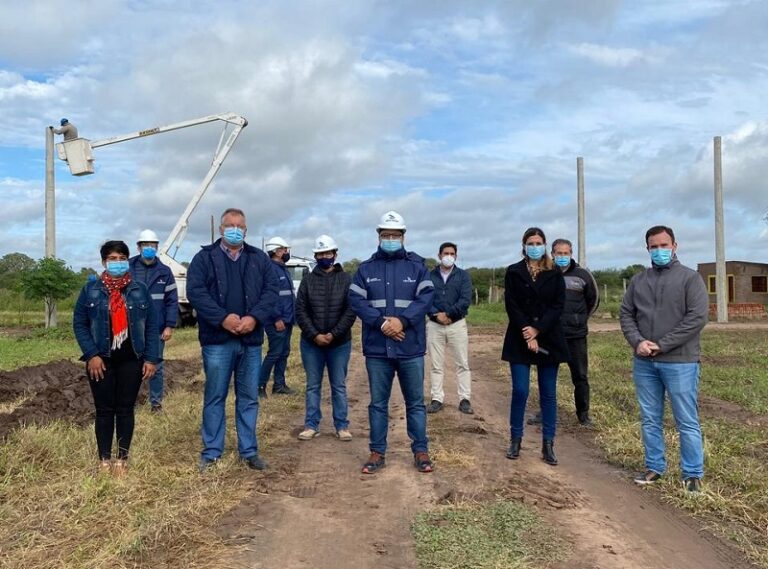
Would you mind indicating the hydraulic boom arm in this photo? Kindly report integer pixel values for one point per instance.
(179, 230)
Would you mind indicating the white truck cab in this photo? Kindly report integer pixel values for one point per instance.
(299, 267)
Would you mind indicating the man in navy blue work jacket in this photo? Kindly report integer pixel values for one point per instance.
(447, 327)
(158, 278)
(391, 293)
(233, 288)
(280, 324)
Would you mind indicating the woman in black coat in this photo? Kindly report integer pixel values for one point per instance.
(534, 297)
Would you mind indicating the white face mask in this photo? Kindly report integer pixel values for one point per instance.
(447, 261)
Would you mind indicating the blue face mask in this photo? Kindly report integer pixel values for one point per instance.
(562, 260)
(326, 263)
(149, 253)
(391, 245)
(117, 268)
(661, 257)
(535, 252)
(234, 235)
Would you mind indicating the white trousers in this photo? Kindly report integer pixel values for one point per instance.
(456, 337)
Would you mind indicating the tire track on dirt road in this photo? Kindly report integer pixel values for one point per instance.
(316, 510)
(313, 508)
(611, 523)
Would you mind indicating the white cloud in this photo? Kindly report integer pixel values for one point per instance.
(609, 56)
(466, 118)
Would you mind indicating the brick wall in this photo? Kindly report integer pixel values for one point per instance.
(741, 311)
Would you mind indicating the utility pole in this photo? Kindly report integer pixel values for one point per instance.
(721, 287)
(582, 244)
(50, 220)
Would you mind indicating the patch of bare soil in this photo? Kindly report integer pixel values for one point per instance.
(611, 522)
(59, 390)
(313, 508)
(714, 407)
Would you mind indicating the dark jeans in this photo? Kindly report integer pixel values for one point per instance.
(410, 374)
(315, 359)
(578, 364)
(115, 398)
(277, 355)
(521, 381)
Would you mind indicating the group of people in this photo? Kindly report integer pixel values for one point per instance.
(239, 292)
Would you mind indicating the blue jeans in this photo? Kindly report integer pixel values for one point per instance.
(680, 381)
(277, 355)
(220, 361)
(410, 374)
(521, 382)
(315, 359)
(156, 383)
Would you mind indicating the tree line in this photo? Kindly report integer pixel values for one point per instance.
(51, 280)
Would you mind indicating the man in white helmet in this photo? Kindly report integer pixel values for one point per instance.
(158, 278)
(325, 317)
(280, 325)
(391, 293)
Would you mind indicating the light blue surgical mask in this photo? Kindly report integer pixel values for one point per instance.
(535, 252)
(391, 245)
(234, 235)
(661, 257)
(117, 268)
(149, 253)
(562, 260)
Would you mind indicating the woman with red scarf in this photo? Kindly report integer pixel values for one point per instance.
(116, 328)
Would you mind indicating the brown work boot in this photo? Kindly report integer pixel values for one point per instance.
(105, 466)
(375, 462)
(423, 464)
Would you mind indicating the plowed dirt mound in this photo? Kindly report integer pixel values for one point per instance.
(59, 390)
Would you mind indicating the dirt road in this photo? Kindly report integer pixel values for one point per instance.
(314, 509)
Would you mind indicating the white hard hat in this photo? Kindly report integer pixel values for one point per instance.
(148, 236)
(391, 220)
(275, 243)
(325, 243)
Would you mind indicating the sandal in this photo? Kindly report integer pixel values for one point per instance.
(423, 464)
(375, 462)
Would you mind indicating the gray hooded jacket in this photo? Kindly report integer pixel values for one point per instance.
(669, 306)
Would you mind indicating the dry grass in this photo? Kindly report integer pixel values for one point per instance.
(735, 501)
(55, 511)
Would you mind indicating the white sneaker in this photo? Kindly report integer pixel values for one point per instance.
(344, 435)
(308, 434)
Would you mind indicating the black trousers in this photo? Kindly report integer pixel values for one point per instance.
(578, 364)
(115, 398)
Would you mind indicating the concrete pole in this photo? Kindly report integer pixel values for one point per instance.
(721, 285)
(50, 220)
(582, 244)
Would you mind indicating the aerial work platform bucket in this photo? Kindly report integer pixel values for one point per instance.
(77, 153)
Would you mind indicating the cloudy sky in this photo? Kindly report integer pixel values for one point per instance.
(466, 117)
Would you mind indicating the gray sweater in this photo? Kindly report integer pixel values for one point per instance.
(669, 306)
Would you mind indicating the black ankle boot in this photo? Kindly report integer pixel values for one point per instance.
(514, 448)
(548, 453)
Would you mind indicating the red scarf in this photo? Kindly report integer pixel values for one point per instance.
(118, 313)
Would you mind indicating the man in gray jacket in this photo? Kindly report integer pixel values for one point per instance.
(662, 315)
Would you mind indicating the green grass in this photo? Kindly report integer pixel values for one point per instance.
(485, 536)
(487, 314)
(735, 502)
(734, 367)
(36, 345)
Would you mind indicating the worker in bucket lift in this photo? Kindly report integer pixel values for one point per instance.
(67, 129)
(158, 278)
